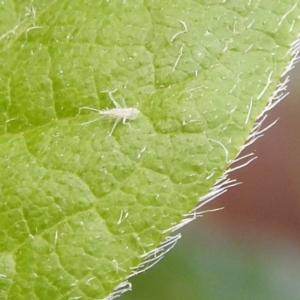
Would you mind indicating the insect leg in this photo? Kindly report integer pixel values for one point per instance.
(114, 126)
(126, 123)
(111, 97)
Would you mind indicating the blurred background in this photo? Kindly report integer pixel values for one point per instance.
(251, 248)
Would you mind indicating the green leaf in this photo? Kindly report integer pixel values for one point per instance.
(80, 208)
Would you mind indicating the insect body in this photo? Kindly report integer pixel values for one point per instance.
(119, 113)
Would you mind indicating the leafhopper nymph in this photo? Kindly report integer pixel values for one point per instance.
(119, 113)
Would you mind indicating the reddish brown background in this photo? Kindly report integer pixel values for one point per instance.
(268, 201)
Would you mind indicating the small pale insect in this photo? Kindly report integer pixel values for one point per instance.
(119, 113)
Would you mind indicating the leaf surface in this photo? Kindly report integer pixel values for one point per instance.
(79, 208)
